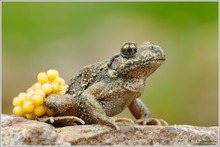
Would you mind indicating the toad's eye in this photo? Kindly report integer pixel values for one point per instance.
(128, 49)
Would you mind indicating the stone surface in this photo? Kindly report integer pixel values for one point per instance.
(19, 131)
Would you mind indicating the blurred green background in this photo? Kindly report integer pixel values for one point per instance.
(68, 36)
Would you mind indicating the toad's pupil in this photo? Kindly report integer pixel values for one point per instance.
(131, 51)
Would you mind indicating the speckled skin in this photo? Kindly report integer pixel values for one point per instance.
(105, 89)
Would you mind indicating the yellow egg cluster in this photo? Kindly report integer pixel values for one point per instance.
(30, 104)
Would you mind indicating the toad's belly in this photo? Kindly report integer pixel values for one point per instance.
(116, 104)
(114, 101)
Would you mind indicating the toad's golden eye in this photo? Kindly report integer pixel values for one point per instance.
(128, 49)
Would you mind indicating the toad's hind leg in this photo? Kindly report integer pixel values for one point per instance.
(64, 105)
(65, 111)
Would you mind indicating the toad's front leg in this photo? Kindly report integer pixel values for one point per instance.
(92, 111)
(141, 112)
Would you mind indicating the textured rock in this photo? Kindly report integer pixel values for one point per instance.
(19, 131)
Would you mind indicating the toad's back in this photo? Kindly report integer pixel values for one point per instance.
(86, 77)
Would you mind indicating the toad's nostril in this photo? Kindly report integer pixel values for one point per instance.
(152, 47)
(155, 51)
(158, 50)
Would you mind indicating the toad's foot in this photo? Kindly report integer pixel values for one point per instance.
(115, 121)
(124, 121)
(109, 121)
(61, 121)
(152, 121)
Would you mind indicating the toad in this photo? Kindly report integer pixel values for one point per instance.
(102, 90)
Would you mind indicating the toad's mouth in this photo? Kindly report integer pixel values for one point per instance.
(161, 59)
(146, 62)
(157, 60)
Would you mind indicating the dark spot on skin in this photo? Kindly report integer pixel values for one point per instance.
(152, 47)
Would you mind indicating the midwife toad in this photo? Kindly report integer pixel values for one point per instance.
(104, 89)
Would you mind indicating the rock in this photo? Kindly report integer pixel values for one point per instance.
(19, 131)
